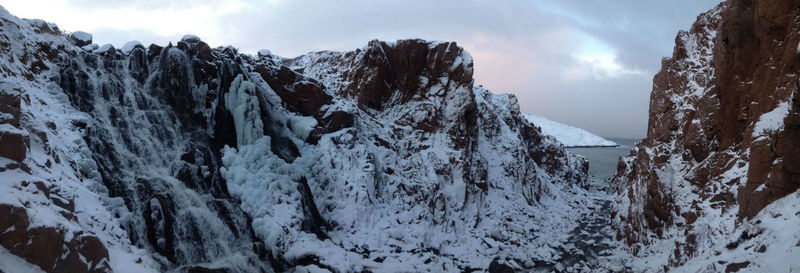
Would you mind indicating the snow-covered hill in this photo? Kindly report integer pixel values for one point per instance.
(568, 135)
(187, 158)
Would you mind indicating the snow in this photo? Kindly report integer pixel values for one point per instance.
(355, 182)
(129, 46)
(302, 126)
(8, 128)
(12, 263)
(714, 239)
(771, 121)
(103, 49)
(264, 52)
(568, 135)
(190, 38)
(63, 158)
(776, 229)
(90, 47)
(82, 36)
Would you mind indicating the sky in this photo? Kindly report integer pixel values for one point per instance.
(586, 63)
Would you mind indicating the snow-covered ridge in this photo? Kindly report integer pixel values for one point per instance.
(568, 135)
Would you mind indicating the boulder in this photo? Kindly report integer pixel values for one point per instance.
(80, 38)
(13, 142)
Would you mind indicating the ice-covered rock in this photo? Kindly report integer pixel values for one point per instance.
(264, 52)
(190, 158)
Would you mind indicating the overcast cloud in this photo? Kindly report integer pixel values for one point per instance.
(585, 63)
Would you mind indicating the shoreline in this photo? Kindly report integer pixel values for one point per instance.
(593, 146)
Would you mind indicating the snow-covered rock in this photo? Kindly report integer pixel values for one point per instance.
(81, 38)
(568, 135)
(190, 158)
(190, 38)
(104, 48)
(709, 188)
(129, 46)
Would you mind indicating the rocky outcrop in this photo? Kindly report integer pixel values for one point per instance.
(13, 142)
(49, 247)
(190, 158)
(722, 136)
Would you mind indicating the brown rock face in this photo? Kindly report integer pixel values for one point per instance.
(46, 247)
(301, 94)
(723, 125)
(13, 142)
(13, 145)
(407, 66)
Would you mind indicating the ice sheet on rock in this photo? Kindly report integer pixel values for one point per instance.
(241, 100)
(302, 126)
(372, 191)
(74, 137)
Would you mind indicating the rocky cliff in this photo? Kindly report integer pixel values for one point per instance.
(189, 158)
(723, 144)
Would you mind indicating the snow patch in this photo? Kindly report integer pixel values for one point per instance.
(302, 126)
(129, 46)
(190, 38)
(771, 121)
(90, 47)
(12, 263)
(568, 135)
(103, 49)
(82, 36)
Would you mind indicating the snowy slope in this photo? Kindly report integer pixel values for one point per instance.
(568, 135)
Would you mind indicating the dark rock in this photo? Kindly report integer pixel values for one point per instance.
(10, 103)
(312, 221)
(496, 266)
(80, 38)
(735, 267)
(300, 94)
(384, 69)
(153, 51)
(200, 269)
(46, 248)
(14, 145)
(137, 64)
